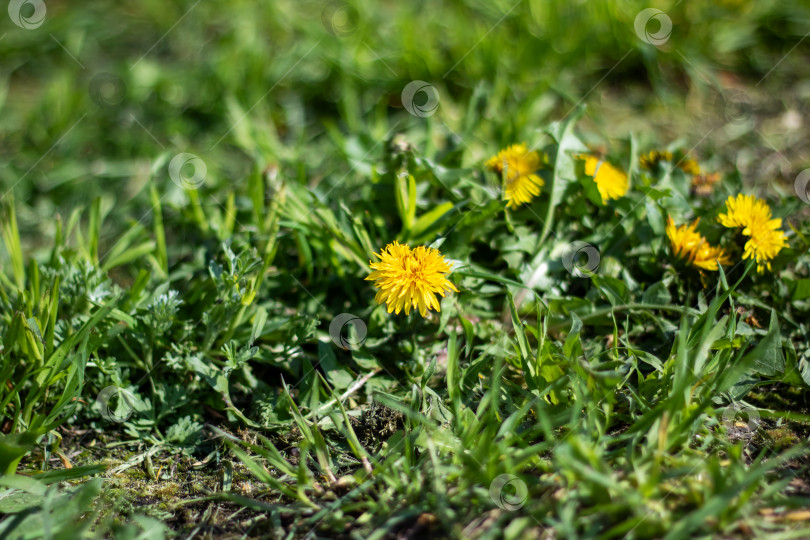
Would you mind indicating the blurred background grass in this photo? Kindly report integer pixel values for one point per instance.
(99, 90)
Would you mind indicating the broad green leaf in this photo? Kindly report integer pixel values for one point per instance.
(564, 165)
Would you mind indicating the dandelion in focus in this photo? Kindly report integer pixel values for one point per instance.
(410, 278)
(765, 236)
(691, 247)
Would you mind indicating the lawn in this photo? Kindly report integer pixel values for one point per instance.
(355, 269)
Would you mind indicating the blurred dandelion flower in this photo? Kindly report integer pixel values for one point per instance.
(652, 158)
(517, 165)
(691, 247)
(410, 278)
(689, 166)
(753, 216)
(703, 184)
(610, 181)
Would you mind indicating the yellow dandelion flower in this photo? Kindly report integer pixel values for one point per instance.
(410, 278)
(764, 245)
(690, 246)
(707, 257)
(653, 157)
(683, 238)
(753, 216)
(689, 166)
(517, 165)
(611, 182)
(743, 211)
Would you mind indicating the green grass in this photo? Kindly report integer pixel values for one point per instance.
(189, 347)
